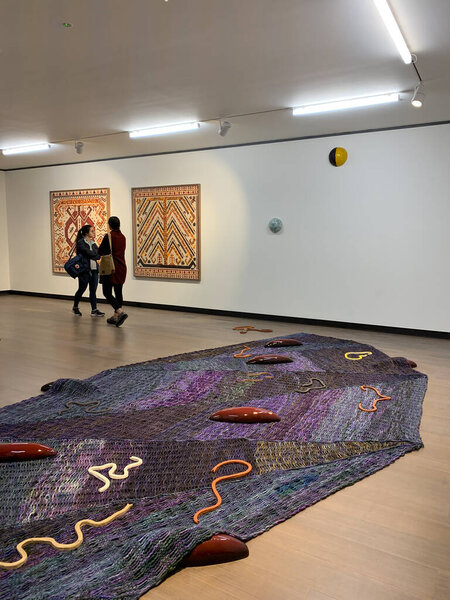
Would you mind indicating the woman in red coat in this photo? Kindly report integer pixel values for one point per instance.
(117, 279)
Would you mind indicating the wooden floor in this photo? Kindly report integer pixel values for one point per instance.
(385, 538)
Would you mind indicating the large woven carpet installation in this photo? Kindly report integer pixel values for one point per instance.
(145, 455)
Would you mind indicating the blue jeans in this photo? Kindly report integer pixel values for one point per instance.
(87, 278)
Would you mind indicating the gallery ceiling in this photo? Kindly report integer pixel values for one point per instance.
(140, 63)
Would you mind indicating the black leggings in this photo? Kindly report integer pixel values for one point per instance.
(116, 302)
(91, 278)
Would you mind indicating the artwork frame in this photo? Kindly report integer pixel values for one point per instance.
(166, 217)
(89, 206)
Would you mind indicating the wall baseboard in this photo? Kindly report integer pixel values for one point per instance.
(246, 315)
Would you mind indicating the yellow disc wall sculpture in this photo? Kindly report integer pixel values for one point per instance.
(338, 156)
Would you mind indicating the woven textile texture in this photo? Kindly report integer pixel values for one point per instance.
(69, 211)
(167, 231)
(159, 411)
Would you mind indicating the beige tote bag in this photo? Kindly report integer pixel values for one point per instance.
(106, 266)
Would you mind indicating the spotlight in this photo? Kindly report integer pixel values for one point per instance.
(79, 147)
(418, 96)
(224, 127)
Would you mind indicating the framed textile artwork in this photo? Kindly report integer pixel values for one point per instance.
(166, 231)
(70, 210)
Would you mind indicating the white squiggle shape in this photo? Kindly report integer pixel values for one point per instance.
(112, 471)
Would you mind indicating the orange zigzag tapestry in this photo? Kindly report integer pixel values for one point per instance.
(166, 231)
(70, 210)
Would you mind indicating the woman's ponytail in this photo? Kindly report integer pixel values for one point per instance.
(83, 232)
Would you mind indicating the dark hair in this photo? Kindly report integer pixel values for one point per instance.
(114, 223)
(83, 232)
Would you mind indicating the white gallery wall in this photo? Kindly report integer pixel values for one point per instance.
(364, 243)
(4, 250)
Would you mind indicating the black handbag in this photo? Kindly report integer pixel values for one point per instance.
(75, 266)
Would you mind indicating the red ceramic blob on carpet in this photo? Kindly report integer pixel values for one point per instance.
(245, 414)
(220, 548)
(282, 343)
(24, 451)
(268, 359)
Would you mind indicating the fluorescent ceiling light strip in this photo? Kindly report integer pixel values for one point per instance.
(162, 130)
(394, 30)
(344, 104)
(23, 149)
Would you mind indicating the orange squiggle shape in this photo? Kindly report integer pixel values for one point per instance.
(247, 328)
(48, 540)
(216, 481)
(241, 353)
(374, 403)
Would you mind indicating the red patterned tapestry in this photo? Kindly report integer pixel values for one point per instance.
(70, 210)
(167, 231)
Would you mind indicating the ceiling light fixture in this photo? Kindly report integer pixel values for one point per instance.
(23, 149)
(394, 30)
(162, 130)
(310, 109)
(418, 96)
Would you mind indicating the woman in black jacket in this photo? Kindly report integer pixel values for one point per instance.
(88, 250)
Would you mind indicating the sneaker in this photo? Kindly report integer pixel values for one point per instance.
(111, 320)
(97, 313)
(76, 311)
(121, 319)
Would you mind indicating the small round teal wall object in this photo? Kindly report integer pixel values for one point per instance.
(275, 225)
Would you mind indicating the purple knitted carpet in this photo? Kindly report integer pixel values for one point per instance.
(159, 411)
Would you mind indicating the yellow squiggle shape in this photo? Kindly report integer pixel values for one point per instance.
(58, 545)
(262, 374)
(112, 472)
(361, 355)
